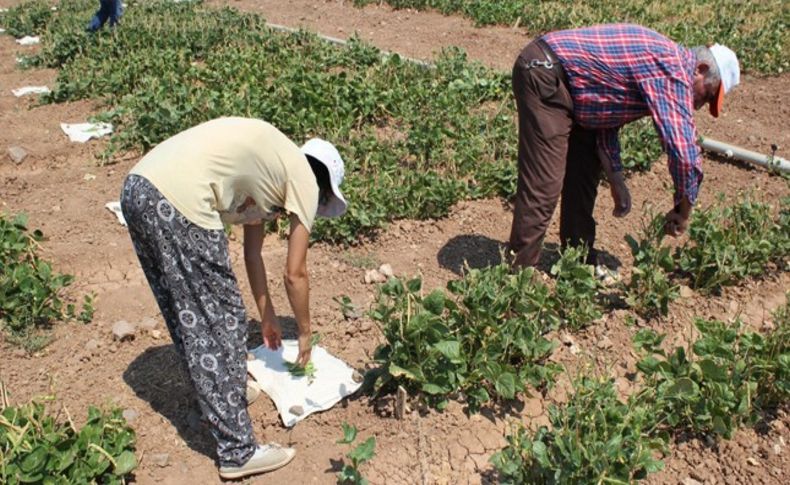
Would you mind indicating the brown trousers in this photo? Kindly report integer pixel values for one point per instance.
(555, 156)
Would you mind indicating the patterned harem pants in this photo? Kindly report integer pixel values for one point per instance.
(189, 271)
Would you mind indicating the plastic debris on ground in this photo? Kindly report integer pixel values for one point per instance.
(82, 132)
(333, 380)
(26, 90)
(115, 208)
(29, 40)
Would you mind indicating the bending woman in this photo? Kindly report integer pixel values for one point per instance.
(175, 201)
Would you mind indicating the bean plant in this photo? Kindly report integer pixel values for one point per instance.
(415, 140)
(36, 447)
(757, 31)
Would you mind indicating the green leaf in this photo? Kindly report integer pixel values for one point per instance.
(349, 434)
(449, 348)
(506, 385)
(125, 463)
(364, 451)
(683, 387)
(712, 371)
(434, 302)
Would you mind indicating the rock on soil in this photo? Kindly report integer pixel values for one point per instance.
(17, 154)
(123, 330)
(130, 415)
(159, 459)
(374, 276)
(386, 270)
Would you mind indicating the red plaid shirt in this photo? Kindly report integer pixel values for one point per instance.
(621, 72)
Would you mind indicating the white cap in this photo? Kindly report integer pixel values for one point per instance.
(729, 72)
(326, 153)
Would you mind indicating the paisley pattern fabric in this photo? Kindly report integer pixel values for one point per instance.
(189, 271)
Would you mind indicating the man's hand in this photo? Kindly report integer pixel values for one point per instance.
(272, 333)
(676, 220)
(620, 194)
(305, 348)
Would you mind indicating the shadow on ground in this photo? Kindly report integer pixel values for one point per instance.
(158, 377)
(478, 252)
(474, 250)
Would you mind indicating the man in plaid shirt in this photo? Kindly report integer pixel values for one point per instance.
(574, 90)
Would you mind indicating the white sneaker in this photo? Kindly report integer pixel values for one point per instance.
(266, 458)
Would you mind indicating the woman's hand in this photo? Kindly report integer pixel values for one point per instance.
(272, 333)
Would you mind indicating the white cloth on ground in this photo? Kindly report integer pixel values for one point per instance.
(82, 132)
(333, 380)
(25, 90)
(29, 40)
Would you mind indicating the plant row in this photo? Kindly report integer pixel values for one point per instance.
(757, 31)
(30, 290)
(727, 378)
(726, 244)
(416, 140)
(484, 337)
(37, 447)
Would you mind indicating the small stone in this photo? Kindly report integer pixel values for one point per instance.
(777, 449)
(17, 154)
(156, 334)
(148, 323)
(296, 410)
(575, 350)
(690, 481)
(130, 415)
(123, 330)
(92, 345)
(159, 459)
(357, 377)
(686, 292)
(752, 461)
(373, 276)
(88, 177)
(386, 270)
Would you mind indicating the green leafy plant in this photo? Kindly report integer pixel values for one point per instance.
(297, 370)
(651, 289)
(576, 289)
(726, 378)
(755, 30)
(359, 455)
(416, 140)
(484, 339)
(594, 438)
(36, 448)
(347, 307)
(729, 243)
(29, 18)
(30, 291)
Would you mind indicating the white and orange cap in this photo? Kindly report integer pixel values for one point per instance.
(326, 153)
(729, 72)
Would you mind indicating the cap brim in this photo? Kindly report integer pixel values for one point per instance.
(336, 205)
(715, 107)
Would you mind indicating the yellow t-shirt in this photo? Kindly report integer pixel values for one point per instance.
(208, 172)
